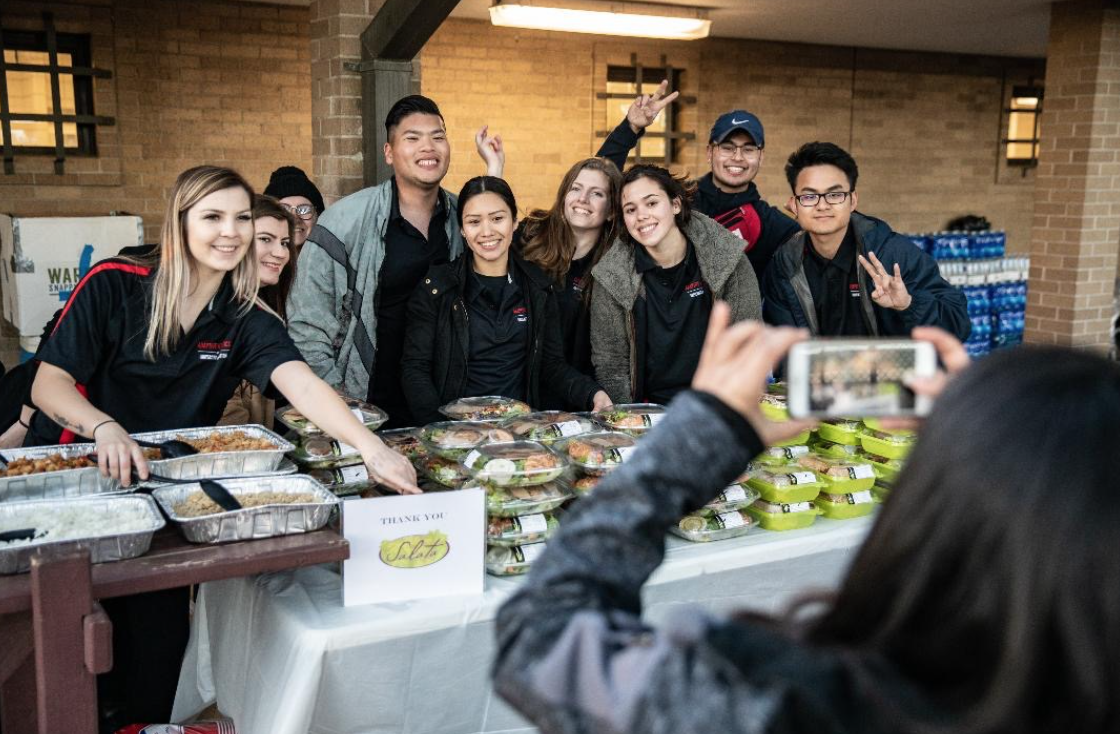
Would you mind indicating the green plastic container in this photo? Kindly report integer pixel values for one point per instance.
(886, 445)
(884, 468)
(880, 492)
(783, 516)
(833, 450)
(839, 431)
(845, 506)
(781, 455)
(877, 425)
(840, 476)
(783, 487)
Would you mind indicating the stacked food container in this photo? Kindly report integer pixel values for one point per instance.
(724, 517)
(886, 451)
(337, 465)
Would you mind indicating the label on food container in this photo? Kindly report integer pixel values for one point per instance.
(531, 523)
(528, 553)
(471, 458)
(357, 413)
(792, 452)
(860, 471)
(652, 419)
(802, 477)
(860, 498)
(353, 474)
(345, 449)
(624, 452)
(567, 429)
(797, 507)
(734, 493)
(730, 520)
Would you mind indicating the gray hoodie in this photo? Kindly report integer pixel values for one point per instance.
(614, 334)
(332, 310)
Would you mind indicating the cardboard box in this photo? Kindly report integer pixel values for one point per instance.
(43, 258)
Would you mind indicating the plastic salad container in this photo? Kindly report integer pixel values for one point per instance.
(632, 418)
(370, 415)
(519, 463)
(783, 516)
(839, 430)
(884, 468)
(774, 407)
(344, 480)
(888, 445)
(444, 472)
(881, 491)
(483, 408)
(734, 497)
(834, 450)
(508, 531)
(517, 501)
(325, 453)
(721, 526)
(840, 476)
(781, 455)
(513, 561)
(583, 486)
(455, 439)
(794, 486)
(405, 441)
(845, 506)
(877, 425)
(549, 426)
(597, 453)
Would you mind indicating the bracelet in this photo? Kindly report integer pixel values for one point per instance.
(93, 433)
(20, 421)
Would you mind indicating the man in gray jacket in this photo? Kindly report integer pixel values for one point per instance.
(369, 252)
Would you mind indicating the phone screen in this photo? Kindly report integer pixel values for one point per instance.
(837, 378)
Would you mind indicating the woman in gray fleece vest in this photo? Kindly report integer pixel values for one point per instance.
(655, 287)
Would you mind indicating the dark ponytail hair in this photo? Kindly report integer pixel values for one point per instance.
(675, 187)
(990, 584)
(486, 184)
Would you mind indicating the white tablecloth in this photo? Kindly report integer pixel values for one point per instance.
(281, 655)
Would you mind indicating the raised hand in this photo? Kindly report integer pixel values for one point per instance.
(890, 290)
(647, 107)
(491, 151)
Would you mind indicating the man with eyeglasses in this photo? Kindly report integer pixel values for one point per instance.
(293, 189)
(847, 274)
(727, 193)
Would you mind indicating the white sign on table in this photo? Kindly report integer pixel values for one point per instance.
(414, 546)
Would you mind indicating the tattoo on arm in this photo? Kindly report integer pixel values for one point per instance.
(62, 421)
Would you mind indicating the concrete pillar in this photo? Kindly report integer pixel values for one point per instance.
(1075, 238)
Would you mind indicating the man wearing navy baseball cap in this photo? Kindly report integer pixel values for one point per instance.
(727, 193)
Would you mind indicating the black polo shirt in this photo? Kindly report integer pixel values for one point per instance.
(834, 285)
(570, 300)
(498, 319)
(99, 341)
(678, 304)
(408, 255)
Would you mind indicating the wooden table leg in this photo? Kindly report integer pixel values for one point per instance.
(17, 675)
(66, 688)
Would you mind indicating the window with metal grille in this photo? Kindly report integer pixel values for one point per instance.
(1023, 114)
(46, 95)
(624, 83)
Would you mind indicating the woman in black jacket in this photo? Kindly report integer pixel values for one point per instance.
(488, 323)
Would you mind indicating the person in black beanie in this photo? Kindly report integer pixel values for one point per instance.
(295, 192)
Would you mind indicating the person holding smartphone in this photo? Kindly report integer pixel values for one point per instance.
(848, 274)
(160, 343)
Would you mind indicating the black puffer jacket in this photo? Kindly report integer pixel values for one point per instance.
(437, 345)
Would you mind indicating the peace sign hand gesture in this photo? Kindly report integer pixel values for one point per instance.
(647, 107)
(890, 291)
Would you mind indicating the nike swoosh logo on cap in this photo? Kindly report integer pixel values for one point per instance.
(740, 122)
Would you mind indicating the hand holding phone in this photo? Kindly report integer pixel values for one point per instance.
(832, 378)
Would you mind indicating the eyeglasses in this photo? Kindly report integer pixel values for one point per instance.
(832, 198)
(728, 150)
(303, 211)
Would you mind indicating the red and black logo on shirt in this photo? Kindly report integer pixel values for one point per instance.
(695, 289)
(743, 222)
(521, 314)
(209, 351)
(853, 290)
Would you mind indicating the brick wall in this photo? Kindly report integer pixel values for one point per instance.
(924, 127)
(1077, 200)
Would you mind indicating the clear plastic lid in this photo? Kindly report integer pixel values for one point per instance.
(782, 454)
(901, 439)
(323, 453)
(735, 497)
(838, 470)
(354, 476)
(520, 463)
(632, 418)
(512, 561)
(863, 497)
(834, 450)
(442, 471)
(484, 407)
(370, 415)
(844, 424)
(585, 484)
(548, 426)
(717, 526)
(598, 453)
(882, 461)
(783, 508)
(507, 531)
(515, 501)
(774, 406)
(876, 424)
(779, 479)
(405, 441)
(455, 439)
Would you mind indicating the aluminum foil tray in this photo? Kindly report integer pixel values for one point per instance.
(102, 549)
(225, 464)
(66, 484)
(287, 466)
(254, 522)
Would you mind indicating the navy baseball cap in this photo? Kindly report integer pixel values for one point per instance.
(729, 122)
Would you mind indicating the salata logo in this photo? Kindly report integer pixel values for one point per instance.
(210, 351)
(521, 314)
(415, 551)
(695, 289)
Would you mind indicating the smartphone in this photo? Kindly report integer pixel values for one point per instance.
(857, 378)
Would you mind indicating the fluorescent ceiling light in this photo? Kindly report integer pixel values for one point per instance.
(609, 18)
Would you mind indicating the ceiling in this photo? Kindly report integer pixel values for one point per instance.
(996, 27)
